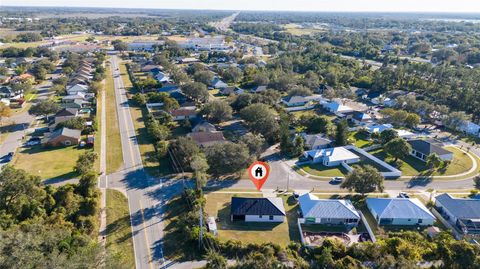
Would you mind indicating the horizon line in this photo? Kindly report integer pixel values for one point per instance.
(252, 10)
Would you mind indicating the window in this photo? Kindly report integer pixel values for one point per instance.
(270, 217)
(420, 220)
(260, 216)
(409, 220)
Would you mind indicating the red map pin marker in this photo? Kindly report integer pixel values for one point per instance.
(258, 173)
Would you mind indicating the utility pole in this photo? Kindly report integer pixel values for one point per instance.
(288, 181)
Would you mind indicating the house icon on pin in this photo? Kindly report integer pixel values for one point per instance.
(259, 172)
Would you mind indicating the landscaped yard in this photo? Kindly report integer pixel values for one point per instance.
(218, 204)
(412, 166)
(360, 139)
(119, 232)
(114, 145)
(47, 162)
(318, 169)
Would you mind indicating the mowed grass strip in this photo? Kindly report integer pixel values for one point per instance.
(119, 232)
(145, 144)
(114, 144)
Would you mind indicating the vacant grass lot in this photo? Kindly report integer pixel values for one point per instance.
(218, 204)
(114, 144)
(49, 163)
(147, 149)
(412, 166)
(119, 232)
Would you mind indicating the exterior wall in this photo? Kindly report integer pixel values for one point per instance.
(63, 140)
(425, 222)
(333, 221)
(447, 157)
(264, 218)
(336, 163)
(62, 119)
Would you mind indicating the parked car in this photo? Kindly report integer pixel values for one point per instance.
(295, 196)
(33, 141)
(336, 180)
(403, 195)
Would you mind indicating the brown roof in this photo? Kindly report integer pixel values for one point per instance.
(207, 137)
(184, 111)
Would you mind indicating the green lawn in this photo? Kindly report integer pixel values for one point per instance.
(412, 166)
(49, 162)
(360, 139)
(114, 144)
(318, 169)
(119, 232)
(218, 204)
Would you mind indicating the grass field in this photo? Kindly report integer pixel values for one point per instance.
(49, 163)
(218, 204)
(413, 167)
(360, 139)
(98, 134)
(295, 29)
(147, 149)
(114, 145)
(318, 169)
(119, 232)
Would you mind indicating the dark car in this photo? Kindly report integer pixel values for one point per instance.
(336, 180)
(8, 158)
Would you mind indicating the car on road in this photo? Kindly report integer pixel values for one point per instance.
(336, 180)
(403, 195)
(8, 158)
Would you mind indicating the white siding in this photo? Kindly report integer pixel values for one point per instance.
(425, 222)
(264, 218)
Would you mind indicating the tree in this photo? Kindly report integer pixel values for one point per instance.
(217, 111)
(85, 162)
(398, 148)
(434, 161)
(156, 130)
(184, 149)
(139, 99)
(87, 185)
(412, 120)
(215, 260)
(200, 167)
(44, 108)
(5, 111)
(387, 136)
(197, 91)
(476, 180)
(119, 45)
(261, 119)
(232, 74)
(254, 143)
(300, 91)
(227, 158)
(454, 120)
(72, 123)
(363, 180)
(204, 77)
(25, 87)
(341, 133)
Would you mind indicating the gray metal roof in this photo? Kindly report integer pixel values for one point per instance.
(428, 147)
(272, 206)
(459, 207)
(399, 208)
(314, 207)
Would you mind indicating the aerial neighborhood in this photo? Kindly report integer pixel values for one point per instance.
(155, 138)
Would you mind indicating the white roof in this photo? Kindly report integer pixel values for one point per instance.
(333, 154)
(379, 128)
(78, 88)
(404, 133)
(313, 207)
(338, 107)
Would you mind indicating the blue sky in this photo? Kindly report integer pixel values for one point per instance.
(304, 5)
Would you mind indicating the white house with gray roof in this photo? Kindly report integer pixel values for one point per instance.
(400, 211)
(328, 211)
(421, 149)
(460, 212)
(332, 156)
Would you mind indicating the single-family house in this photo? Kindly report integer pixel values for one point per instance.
(231, 90)
(169, 88)
(462, 213)
(9, 93)
(77, 88)
(337, 107)
(204, 126)
(315, 141)
(152, 68)
(65, 114)
(295, 101)
(217, 83)
(184, 113)
(400, 211)
(332, 156)
(470, 128)
(259, 89)
(361, 118)
(257, 209)
(421, 149)
(328, 211)
(78, 80)
(162, 77)
(205, 139)
(63, 136)
(378, 128)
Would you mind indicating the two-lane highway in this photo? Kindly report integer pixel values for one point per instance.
(145, 208)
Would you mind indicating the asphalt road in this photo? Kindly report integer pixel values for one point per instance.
(22, 121)
(145, 197)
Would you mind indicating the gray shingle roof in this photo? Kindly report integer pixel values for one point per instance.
(312, 206)
(460, 208)
(272, 206)
(427, 147)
